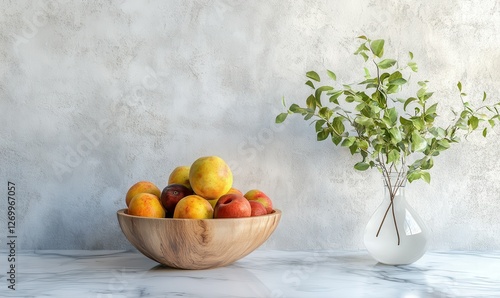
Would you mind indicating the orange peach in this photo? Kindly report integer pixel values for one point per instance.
(232, 206)
(257, 208)
(141, 187)
(213, 202)
(234, 191)
(147, 205)
(180, 175)
(210, 177)
(193, 206)
(259, 196)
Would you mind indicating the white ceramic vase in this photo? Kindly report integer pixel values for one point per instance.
(395, 234)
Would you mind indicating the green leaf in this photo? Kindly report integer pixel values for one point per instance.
(405, 122)
(325, 113)
(393, 156)
(431, 110)
(348, 141)
(319, 125)
(473, 122)
(349, 98)
(338, 125)
(386, 63)
(387, 123)
(408, 101)
(413, 66)
(360, 107)
(335, 96)
(392, 88)
(484, 96)
(317, 93)
(412, 176)
(411, 55)
(311, 102)
(369, 81)
(398, 82)
(313, 75)
(421, 92)
(331, 74)
(362, 37)
(361, 49)
(281, 117)
(322, 135)
(396, 135)
(358, 98)
(379, 98)
(392, 114)
(362, 166)
(310, 84)
(438, 132)
(384, 76)
(365, 57)
(367, 73)
(375, 109)
(418, 123)
(417, 142)
(377, 47)
(485, 131)
(294, 108)
(336, 139)
(365, 121)
(459, 85)
(427, 95)
(428, 164)
(396, 78)
(353, 148)
(426, 176)
(362, 144)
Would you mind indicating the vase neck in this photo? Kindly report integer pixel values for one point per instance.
(394, 184)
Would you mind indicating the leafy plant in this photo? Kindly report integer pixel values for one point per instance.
(394, 134)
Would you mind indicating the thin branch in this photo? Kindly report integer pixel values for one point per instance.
(392, 192)
(395, 224)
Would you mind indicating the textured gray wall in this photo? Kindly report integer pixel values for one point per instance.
(96, 96)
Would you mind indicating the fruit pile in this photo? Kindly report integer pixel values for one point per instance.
(202, 190)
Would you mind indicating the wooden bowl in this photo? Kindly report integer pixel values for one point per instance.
(197, 243)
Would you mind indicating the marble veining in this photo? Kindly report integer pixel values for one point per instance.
(263, 273)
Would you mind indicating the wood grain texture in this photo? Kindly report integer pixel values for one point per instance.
(197, 243)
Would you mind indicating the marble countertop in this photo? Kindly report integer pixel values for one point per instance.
(263, 273)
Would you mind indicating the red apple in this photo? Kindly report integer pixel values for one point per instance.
(257, 208)
(259, 196)
(232, 205)
(171, 195)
